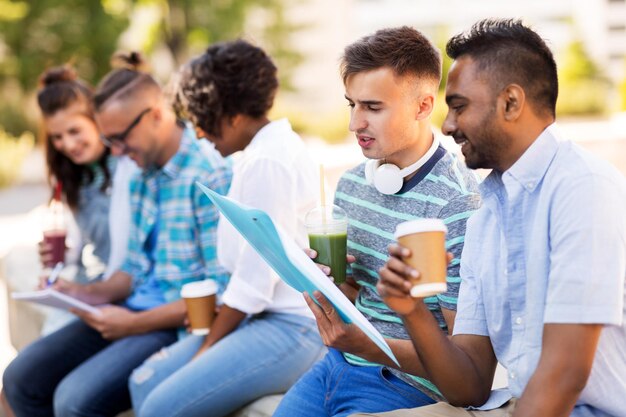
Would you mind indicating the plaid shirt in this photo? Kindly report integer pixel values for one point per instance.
(185, 248)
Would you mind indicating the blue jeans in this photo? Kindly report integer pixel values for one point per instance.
(265, 355)
(335, 388)
(74, 371)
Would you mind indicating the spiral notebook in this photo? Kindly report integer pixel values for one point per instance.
(290, 262)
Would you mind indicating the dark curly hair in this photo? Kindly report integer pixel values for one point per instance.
(128, 75)
(60, 88)
(403, 49)
(228, 79)
(511, 53)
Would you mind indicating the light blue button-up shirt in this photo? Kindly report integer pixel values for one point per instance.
(548, 245)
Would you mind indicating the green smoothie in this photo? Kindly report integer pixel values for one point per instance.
(331, 251)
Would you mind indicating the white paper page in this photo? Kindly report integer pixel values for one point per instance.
(53, 298)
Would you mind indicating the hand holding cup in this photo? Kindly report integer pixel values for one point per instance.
(200, 300)
(349, 287)
(397, 278)
(45, 252)
(52, 248)
(426, 241)
(327, 229)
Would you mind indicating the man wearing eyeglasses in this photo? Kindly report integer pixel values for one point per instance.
(83, 368)
(117, 141)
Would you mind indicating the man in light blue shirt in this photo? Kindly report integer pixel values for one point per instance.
(544, 264)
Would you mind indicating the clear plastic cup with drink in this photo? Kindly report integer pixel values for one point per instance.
(327, 227)
(54, 233)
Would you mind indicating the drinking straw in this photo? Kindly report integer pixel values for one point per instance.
(57, 191)
(322, 194)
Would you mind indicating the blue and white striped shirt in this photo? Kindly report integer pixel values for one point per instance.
(449, 191)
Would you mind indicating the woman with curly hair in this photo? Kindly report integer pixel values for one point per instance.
(264, 336)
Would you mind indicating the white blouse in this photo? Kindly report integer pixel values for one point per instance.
(275, 174)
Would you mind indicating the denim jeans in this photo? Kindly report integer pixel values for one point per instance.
(74, 371)
(265, 355)
(335, 388)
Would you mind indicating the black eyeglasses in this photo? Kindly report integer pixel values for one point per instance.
(118, 140)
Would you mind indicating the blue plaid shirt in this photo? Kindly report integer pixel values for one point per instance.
(185, 248)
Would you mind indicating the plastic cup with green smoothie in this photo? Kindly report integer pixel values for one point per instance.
(327, 227)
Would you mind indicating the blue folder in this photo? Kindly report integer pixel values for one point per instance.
(290, 262)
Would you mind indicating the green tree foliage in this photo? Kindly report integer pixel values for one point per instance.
(577, 65)
(38, 34)
(583, 89)
(622, 92)
(13, 150)
(442, 34)
(188, 26)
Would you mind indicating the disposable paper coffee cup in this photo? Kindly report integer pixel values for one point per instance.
(427, 240)
(199, 298)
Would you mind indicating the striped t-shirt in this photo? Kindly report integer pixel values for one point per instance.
(448, 192)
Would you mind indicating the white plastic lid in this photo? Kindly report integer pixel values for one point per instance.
(199, 289)
(419, 226)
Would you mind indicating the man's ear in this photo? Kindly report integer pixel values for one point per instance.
(235, 120)
(425, 106)
(200, 133)
(513, 101)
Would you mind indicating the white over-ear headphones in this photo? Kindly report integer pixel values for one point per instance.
(388, 178)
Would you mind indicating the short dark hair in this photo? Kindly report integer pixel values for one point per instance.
(229, 78)
(128, 76)
(511, 53)
(403, 49)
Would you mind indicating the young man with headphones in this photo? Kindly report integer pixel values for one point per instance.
(391, 80)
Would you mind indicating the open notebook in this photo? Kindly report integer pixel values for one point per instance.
(53, 298)
(290, 262)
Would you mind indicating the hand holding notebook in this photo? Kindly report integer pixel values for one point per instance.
(53, 298)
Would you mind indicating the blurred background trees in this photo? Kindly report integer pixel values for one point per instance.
(35, 35)
(39, 34)
(583, 88)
